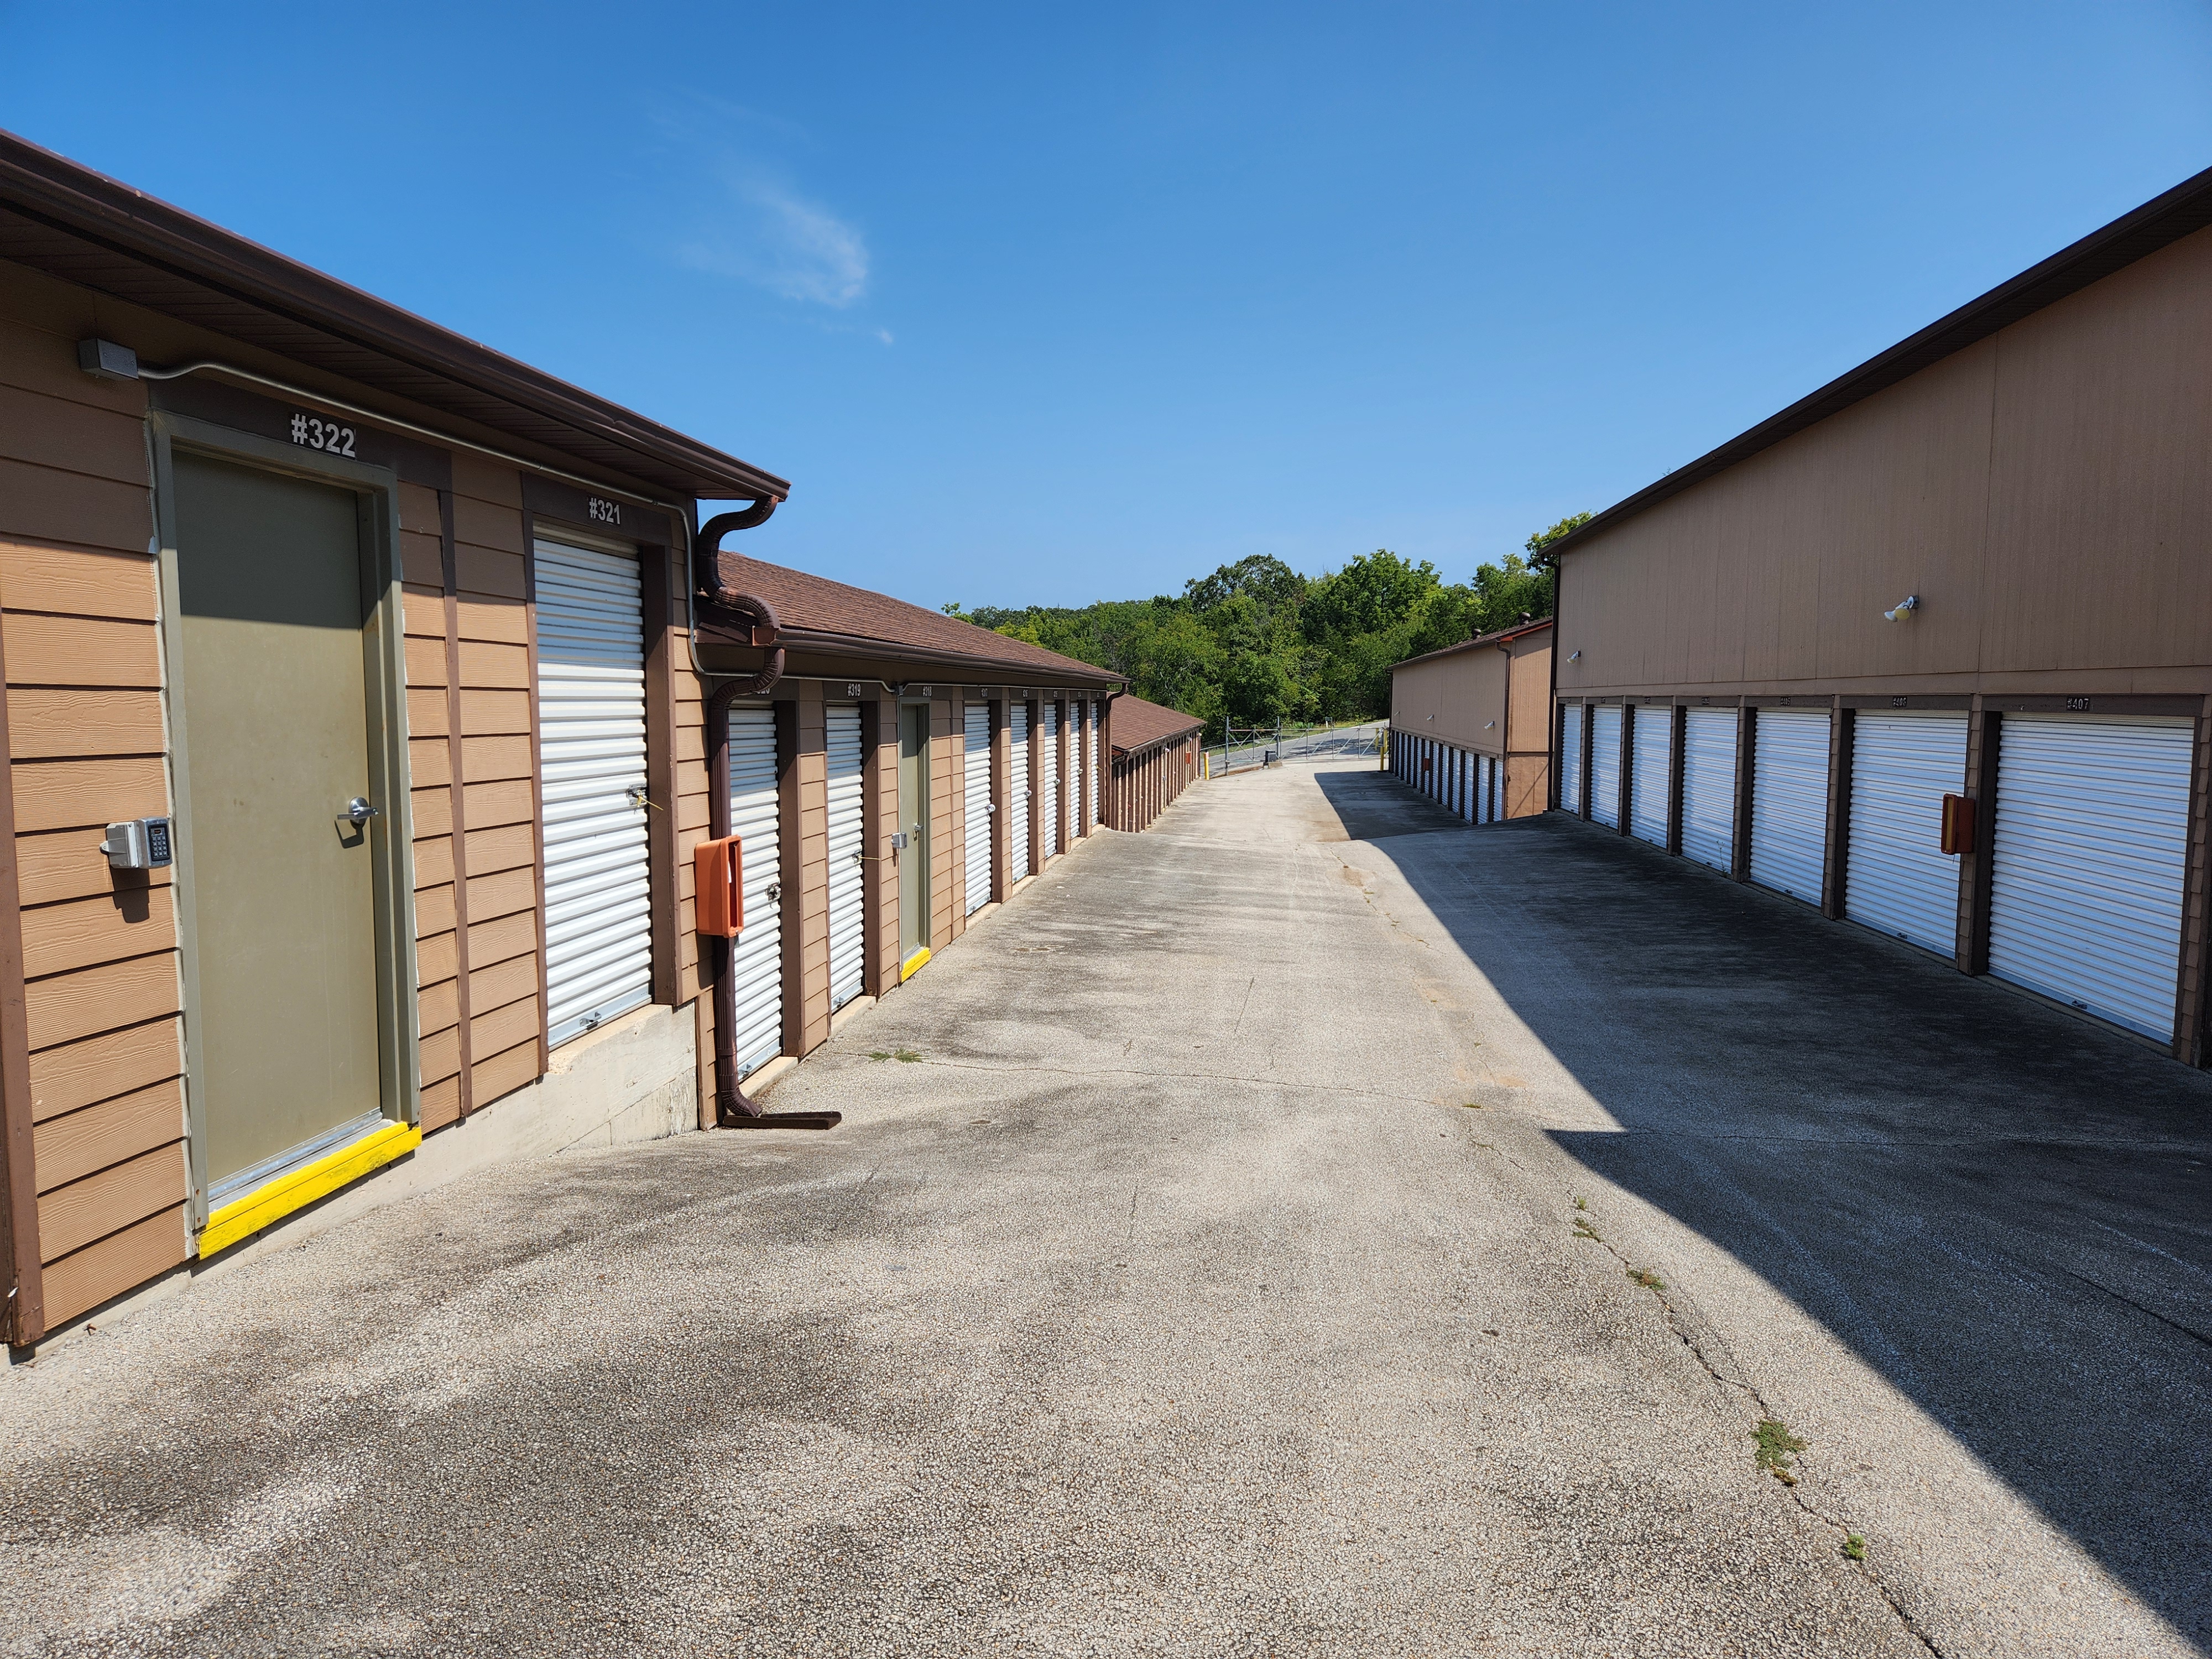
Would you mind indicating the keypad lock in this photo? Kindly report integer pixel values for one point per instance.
(137, 844)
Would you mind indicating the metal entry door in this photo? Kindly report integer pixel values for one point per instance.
(1017, 794)
(849, 958)
(271, 693)
(1605, 765)
(591, 757)
(914, 821)
(1896, 876)
(757, 953)
(2087, 864)
(1789, 800)
(1571, 760)
(1709, 787)
(1651, 770)
(1048, 765)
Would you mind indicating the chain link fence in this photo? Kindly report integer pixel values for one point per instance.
(1327, 741)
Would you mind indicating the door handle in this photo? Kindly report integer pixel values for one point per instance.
(357, 811)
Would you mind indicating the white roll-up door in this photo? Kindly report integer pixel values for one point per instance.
(757, 953)
(1048, 765)
(1470, 787)
(1571, 760)
(1079, 804)
(1018, 792)
(591, 759)
(1651, 769)
(1605, 765)
(2088, 862)
(1896, 876)
(1709, 787)
(848, 928)
(975, 801)
(1789, 800)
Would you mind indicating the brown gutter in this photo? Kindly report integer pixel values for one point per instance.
(1497, 637)
(826, 643)
(23, 1319)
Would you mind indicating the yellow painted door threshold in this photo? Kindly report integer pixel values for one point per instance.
(246, 1215)
(913, 964)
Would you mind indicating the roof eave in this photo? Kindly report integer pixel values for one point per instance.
(78, 201)
(2158, 223)
(860, 645)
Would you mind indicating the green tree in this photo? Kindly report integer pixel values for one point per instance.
(1538, 545)
(1372, 593)
(1255, 642)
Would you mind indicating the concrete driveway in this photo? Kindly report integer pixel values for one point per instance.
(1199, 1270)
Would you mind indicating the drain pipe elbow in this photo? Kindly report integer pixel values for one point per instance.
(730, 1101)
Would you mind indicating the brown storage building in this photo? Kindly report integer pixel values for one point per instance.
(1973, 568)
(1156, 758)
(355, 735)
(1470, 725)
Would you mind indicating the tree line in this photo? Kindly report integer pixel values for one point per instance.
(1255, 642)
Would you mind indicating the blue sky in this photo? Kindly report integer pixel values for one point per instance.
(1050, 304)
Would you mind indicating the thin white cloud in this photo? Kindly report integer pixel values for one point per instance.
(786, 244)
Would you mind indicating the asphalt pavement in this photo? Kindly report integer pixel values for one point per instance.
(1311, 1227)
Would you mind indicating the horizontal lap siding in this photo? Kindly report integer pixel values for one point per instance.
(692, 800)
(499, 852)
(78, 612)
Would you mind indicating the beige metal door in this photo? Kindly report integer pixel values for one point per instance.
(273, 692)
(914, 821)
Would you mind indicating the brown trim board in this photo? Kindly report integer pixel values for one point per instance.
(25, 1315)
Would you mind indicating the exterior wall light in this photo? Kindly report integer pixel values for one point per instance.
(1905, 607)
(1574, 656)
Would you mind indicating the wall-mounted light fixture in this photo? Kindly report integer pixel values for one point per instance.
(1905, 607)
(1574, 656)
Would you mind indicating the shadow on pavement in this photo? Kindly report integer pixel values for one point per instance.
(2005, 1211)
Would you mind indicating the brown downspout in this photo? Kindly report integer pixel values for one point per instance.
(730, 1101)
(1112, 815)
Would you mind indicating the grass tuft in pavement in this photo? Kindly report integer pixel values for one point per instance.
(1776, 1443)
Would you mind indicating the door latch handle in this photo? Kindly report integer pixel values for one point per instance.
(357, 811)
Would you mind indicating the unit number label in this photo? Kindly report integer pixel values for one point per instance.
(604, 512)
(2078, 705)
(311, 432)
